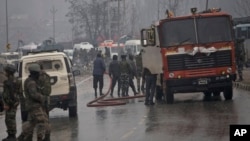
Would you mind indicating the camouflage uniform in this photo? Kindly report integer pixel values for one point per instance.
(138, 60)
(240, 57)
(37, 117)
(10, 100)
(114, 73)
(45, 88)
(124, 77)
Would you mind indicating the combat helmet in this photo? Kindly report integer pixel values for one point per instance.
(35, 67)
(10, 68)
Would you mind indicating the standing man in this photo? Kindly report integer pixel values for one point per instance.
(11, 102)
(124, 77)
(45, 88)
(133, 73)
(240, 57)
(99, 69)
(114, 73)
(37, 117)
(150, 87)
(138, 60)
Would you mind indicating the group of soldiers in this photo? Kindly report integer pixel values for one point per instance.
(122, 72)
(37, 90)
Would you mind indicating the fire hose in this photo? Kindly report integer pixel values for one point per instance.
(101, 101)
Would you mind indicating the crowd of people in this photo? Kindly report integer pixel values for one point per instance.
(123, 73)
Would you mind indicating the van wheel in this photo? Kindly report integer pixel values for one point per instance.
(72, 111)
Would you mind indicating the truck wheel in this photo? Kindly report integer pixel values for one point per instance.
(216, 93)
(72, 111)
(170, 96)
(207, 96)
(228, 93)
(24, 116)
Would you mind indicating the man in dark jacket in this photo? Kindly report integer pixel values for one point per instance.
(114, 73)
(99, 68)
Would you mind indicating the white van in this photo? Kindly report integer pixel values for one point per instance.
(133, 47)
(59, 68)
(83, 45)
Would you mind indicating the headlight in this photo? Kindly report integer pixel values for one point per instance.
(171, 75)
(229, 70)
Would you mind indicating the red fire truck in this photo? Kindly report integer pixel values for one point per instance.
(194, 53)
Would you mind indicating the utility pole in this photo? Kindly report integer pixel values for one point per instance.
(206, 4)
(7, 23)
(53, 11)
(109, 19)
(118, 18)
(158, 9)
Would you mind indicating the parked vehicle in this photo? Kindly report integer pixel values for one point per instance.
(59, 67)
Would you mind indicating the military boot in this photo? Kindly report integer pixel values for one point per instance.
(10, 137)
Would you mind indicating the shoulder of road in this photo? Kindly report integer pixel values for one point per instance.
(245, 84)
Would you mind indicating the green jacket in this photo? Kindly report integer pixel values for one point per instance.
(10, 91)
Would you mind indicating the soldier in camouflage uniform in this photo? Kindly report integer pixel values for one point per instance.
(44, 87)
(114, 73)
(35, 100)
(124, 77)
(240, 57)
(133, 73)
(138, 60)
(11, 102)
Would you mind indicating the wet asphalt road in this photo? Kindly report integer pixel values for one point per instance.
(188, 119)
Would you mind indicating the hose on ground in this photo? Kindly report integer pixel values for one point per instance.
(101, 101)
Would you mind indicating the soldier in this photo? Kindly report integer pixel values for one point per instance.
(124, 77)
(37, 117)
(150, 86)
(114, 73)
(240, 57)
(98, 72)
(138, 60)
(45, 88)
(133, 73)
(11, 102)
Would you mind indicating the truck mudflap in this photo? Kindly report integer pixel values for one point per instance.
(200, 84)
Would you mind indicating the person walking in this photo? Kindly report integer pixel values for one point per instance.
(114, 73)
(10, 99)
(240, 57)
(99, 69)
(37, 117)
(150, 86)
(124, 77)
(133, 73)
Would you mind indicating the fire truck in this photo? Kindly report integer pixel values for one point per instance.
(193, 53)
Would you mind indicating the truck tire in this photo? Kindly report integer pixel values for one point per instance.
(169, 96)
(24, 115)
(216, 93)
(228, 93)
(72, 111)
(207, 95)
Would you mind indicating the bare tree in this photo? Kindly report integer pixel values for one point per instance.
(242, 8)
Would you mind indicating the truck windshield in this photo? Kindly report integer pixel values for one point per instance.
(214, 29)
(181, 32)
(177, 32)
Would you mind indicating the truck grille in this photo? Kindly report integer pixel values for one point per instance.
(199, 61)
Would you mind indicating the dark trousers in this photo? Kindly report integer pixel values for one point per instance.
(98, 78)
(114, 80)
(150, 87)
(132, 85)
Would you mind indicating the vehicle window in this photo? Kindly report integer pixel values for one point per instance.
(214, 29)
(48, 65)
(177, 32)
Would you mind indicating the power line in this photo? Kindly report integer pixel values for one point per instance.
(53, 11)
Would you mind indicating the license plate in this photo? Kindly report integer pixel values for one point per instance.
(202, 82)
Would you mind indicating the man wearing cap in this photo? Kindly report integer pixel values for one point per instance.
(37, 117)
